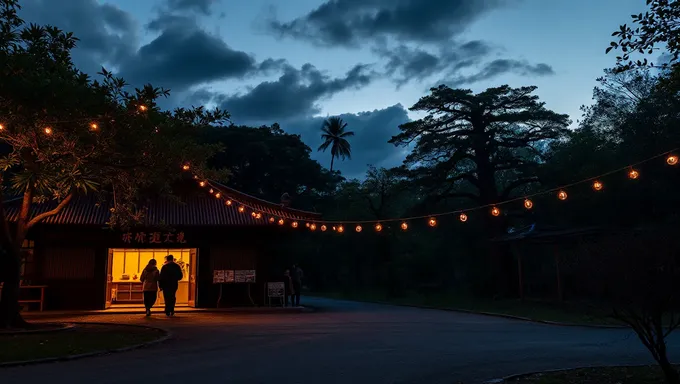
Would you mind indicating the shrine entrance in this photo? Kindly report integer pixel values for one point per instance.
(124, 269)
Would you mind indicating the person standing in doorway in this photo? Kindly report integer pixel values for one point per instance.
(149, 279)
(289, 291)
(171, 274)
(296, 275)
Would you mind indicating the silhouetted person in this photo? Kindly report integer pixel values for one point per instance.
(149, 279)
(171, 274)
(289, 291)
(297, 275)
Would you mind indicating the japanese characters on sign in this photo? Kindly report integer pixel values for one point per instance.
(233, 276)
(154, 238)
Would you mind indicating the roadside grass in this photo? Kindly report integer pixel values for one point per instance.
(604, 375)
(565, 312)
(83, 339)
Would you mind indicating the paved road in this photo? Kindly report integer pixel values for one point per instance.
(346, 342)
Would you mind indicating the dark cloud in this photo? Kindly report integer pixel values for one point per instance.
(352, 22)
(201, 6)
(502, 66)
(369, 145)
(293, 95)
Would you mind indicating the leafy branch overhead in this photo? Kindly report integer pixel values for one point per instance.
(470, 143)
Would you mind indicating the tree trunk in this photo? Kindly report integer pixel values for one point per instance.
(669, 372)
(9, 300)
(332, 160)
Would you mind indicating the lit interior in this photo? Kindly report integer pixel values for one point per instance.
(127, 266)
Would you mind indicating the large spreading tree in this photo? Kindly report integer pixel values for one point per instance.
(482, 146)
(67, 135)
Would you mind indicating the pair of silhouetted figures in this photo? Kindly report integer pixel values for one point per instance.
(293, 282)
(167, 280)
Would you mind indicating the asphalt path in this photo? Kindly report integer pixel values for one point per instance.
(344, 342)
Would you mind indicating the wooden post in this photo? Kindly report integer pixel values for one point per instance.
(560, 293)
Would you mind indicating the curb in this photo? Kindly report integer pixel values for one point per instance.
(491, 314)
(168, 335)
(527, 374)
(243, 311)
(67, 326)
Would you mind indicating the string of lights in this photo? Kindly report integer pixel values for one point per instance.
(338, 226)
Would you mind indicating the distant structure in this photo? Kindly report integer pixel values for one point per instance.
(285, 199)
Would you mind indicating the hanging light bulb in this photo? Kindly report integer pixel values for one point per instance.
(211, 190)
(228, 202)
(341, 229)
(307, 225)
(562, 195)
(94, 126)
(281, 221)
(241, 209)
(633, 174)
(528, 204)
(48, 130)
(143, 108)
(432, 222)
(323, 228)
(258, 216)
(218, 195)
(404, 226)
(2, 127)
(463, 217)
(378, 227)
(294, 224)
(272, 220)
(334, 228)
(597, 185)
(186, 167)
(202, 183)
(312, 227)
(495, 211)
(358, 228)
(672, 160)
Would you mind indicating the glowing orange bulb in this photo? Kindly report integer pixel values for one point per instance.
(228, 202)
(672, 160)
(597, 186)
(307, 225)
(202, 183)
(281, 221)
(562, 195)
(358, 228)
(463, 217)
(2, 127)
(271, 219)
(186, 167)
(528, 204)
(341, 229)
(312, 227)
(633, 174)
(211, 190)
(94, 126)
(432, 222)
(48, 130)
(334, 228)
(218, 195)
(323, 228)
(241, 209)
(143, 108)
(404, 226)
(495, 211)
(378, 227)
(294, 224)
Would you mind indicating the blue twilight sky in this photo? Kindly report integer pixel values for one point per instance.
(296, 62)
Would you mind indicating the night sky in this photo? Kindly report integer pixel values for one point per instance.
(296, 62)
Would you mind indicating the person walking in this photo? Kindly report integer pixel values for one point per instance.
(296, 275)
(149, 279)
(171, 274)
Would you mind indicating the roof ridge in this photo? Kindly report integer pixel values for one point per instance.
(279, 206)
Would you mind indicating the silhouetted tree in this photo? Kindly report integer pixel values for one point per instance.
(335, 136)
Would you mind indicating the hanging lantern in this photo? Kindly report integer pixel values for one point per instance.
(463, 217)
(312, 227)
(404, 226)
(229, 202)
(202, 183)
(378, 227)
(597, 185)
(358, 228)
(294, 224)
(307, 225)
(672, 160)
(281, 221)
(143, 108)
(323, 228)
(211, 190)
(258, 215)
(495, 211)
(48, 131)
(186, 167)
(241, 209)
(633, 174)
(432, 222)
(562, 195)
(218, 195)
(272, 220)
(94, 126)
(528, 204)
(2, 127)
(334, 228)
(341, 229)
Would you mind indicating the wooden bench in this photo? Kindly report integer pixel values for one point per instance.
(40, 301)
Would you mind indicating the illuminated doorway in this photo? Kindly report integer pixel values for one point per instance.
(125, 266)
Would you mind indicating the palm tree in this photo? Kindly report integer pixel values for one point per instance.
(335, 136)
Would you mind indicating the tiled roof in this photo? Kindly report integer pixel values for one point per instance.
(202, 210)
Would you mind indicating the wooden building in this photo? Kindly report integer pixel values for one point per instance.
(79, 262)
